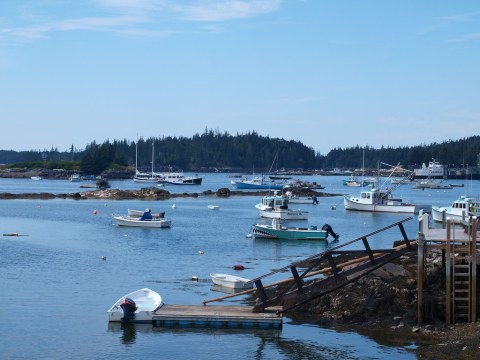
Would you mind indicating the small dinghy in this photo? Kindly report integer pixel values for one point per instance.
(137, 307)
(213, 207)
(231, 281)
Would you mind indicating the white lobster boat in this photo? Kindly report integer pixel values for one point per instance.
(375, 200)
(458, 211)
(276, 207)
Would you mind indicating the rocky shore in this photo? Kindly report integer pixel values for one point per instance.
(149, 193)
(383, 306)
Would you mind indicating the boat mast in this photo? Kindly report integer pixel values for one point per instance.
(152, 156)
(136, 157)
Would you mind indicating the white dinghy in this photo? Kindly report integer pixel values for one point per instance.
(231, 281)
(137, 307)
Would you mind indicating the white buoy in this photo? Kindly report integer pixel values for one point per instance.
(248, 236)
(174, 206)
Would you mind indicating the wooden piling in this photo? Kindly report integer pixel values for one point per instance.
(420, 276)
(448, 282)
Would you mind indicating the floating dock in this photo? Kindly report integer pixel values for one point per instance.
(217, 316)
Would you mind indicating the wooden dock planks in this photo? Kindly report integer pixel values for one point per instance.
(216, 316)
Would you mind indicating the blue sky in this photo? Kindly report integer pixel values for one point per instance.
(329, 73)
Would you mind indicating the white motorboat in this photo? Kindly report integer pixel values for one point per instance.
(295, 199)
(457, 211)
(431, 184)
(276, 207)
(136, 222)
(37, 178)
(139, 213)
(75, 178)
(376, 200)
(231, 281)
(213, 207)
(138, 307)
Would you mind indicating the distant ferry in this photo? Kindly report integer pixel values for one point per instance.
(434, 170)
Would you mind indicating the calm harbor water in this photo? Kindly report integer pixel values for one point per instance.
(56, 289)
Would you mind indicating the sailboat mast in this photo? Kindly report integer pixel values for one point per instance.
(152, 155)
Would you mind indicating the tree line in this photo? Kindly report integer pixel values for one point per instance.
(247, 152)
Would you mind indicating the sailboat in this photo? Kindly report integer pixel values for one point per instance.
(145, 177)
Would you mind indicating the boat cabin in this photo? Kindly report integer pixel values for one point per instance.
(275, 202)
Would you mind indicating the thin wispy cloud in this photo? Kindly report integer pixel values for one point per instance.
(81, 24)
(209, 10)
(465, 38)
(446, 21)
(132, 17)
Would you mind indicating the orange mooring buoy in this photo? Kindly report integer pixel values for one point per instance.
(238, 267)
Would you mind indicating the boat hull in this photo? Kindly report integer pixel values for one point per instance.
(231, 281)
(455, 215)
(390, 208)
(135, 222)
(284, 214)
(147, 302)
(196, 181)
(148, 180)
(268, 232)
(242, 185)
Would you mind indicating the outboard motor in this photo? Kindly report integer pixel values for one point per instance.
(330, 231)
(129, 307)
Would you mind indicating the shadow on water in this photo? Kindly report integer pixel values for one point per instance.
(387, 337)
(270, 341)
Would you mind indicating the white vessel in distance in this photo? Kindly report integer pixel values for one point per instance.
(434, 170)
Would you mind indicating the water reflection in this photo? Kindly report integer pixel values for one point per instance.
(128, 331)
(268, 343)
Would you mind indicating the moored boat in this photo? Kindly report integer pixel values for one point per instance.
(457, 211)
(278, 232)
(296, 199)
(231, 281)
(376, 200)
(431, 184)
(276, 207)
(258, 182)
(137, 222)
(139, 213)
(180, 179)
(137, 306)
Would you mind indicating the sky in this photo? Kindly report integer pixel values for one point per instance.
(328, 73)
